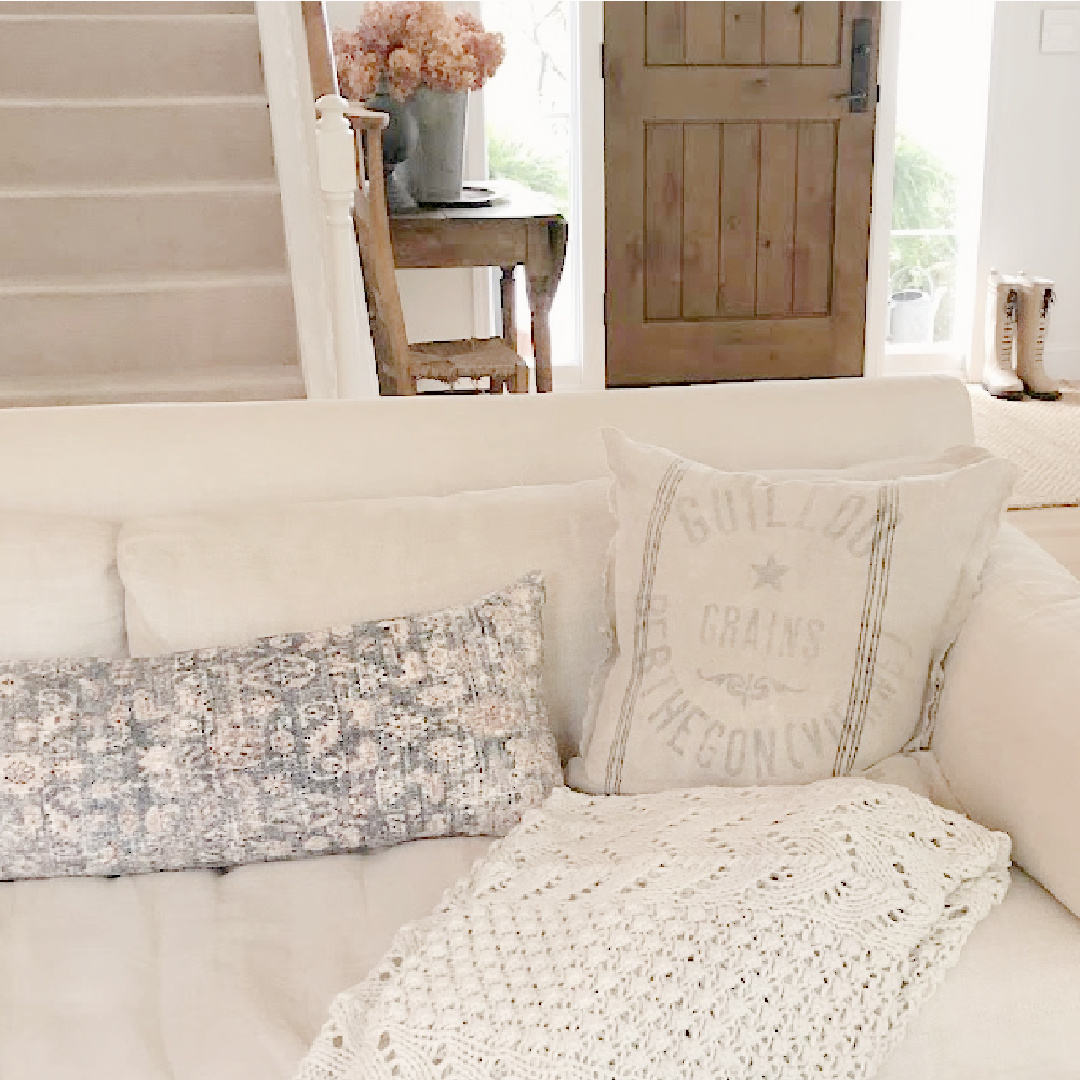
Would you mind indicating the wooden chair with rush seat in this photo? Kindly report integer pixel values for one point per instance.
(400, 365)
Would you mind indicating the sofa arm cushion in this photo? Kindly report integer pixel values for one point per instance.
(1007, 734)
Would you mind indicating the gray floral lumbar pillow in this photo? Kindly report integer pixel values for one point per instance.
(343, 740)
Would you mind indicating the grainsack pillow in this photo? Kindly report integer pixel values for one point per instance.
(351, 738)
(779, 629)
(885, 469)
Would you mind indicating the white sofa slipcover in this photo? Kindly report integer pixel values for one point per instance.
(199, 974)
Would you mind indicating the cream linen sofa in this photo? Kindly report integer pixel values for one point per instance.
(201, 975)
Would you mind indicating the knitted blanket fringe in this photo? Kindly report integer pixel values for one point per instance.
(774, 933)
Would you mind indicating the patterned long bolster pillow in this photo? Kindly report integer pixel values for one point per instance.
(312, 743)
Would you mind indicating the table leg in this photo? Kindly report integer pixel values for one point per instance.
(509, 313)
(543, 269)
(540, 296)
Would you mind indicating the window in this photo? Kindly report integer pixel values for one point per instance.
(937, 184)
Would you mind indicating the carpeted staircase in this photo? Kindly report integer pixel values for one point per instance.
(142, 253)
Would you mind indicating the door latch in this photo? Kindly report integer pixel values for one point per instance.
(858, 98)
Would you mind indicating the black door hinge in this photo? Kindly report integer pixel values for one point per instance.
(603, 70)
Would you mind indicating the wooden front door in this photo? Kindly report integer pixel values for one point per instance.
(738, 170)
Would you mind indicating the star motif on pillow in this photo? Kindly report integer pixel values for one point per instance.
(769, 573)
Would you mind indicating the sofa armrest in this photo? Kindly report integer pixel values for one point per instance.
(1007, 732)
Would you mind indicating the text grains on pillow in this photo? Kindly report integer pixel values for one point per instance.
(746, 933)
(779, 630)
(341, 740)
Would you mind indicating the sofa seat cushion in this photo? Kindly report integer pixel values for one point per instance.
(1008, 1010)
(198, 974)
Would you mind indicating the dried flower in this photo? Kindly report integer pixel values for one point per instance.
(415, 44)
(358, 68)
(467, 21)
(404, 73)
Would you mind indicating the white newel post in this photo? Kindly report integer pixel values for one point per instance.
(335, 345)
(336, 144)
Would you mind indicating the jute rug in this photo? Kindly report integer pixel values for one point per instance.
(1042, 437)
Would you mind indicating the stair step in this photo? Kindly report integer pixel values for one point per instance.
(178, 326)
(128, 55)
(268, 383)
(49, 234)
(99, 143)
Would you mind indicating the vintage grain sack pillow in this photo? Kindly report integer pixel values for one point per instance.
(341, 740)
(779, 630)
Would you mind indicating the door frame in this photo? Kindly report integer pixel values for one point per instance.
(881, 192)
(588, 231)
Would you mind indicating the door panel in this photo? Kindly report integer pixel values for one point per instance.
(742, 33)
(814, 213)
(663, 220)
(821, 33)
(702, 156)
(738, 191)
(781, 35)
(739, 180)
(776, 219)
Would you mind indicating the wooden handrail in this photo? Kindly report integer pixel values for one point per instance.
(320, 49)
(320, 52)
(366, 118)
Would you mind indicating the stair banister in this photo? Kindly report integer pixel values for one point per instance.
(320, 48)
(335, 345)
(337, 169)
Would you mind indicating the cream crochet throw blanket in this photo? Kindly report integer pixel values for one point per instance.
(721, 933)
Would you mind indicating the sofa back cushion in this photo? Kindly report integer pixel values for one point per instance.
(120, 463)
(60, 594)
(202, 580)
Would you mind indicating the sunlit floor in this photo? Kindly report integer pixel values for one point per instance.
(1043, 438)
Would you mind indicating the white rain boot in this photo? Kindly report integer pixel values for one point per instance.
(1036, 296)
(1002, 305)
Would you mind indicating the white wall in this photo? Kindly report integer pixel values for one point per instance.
(1031, 188)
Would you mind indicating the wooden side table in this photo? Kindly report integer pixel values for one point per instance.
(522, 227)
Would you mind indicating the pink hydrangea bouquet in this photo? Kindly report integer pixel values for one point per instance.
(415, 44)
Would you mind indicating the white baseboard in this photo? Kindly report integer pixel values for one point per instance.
(913, 362)
(272, 382)
(1063, 362)
(566, 377)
